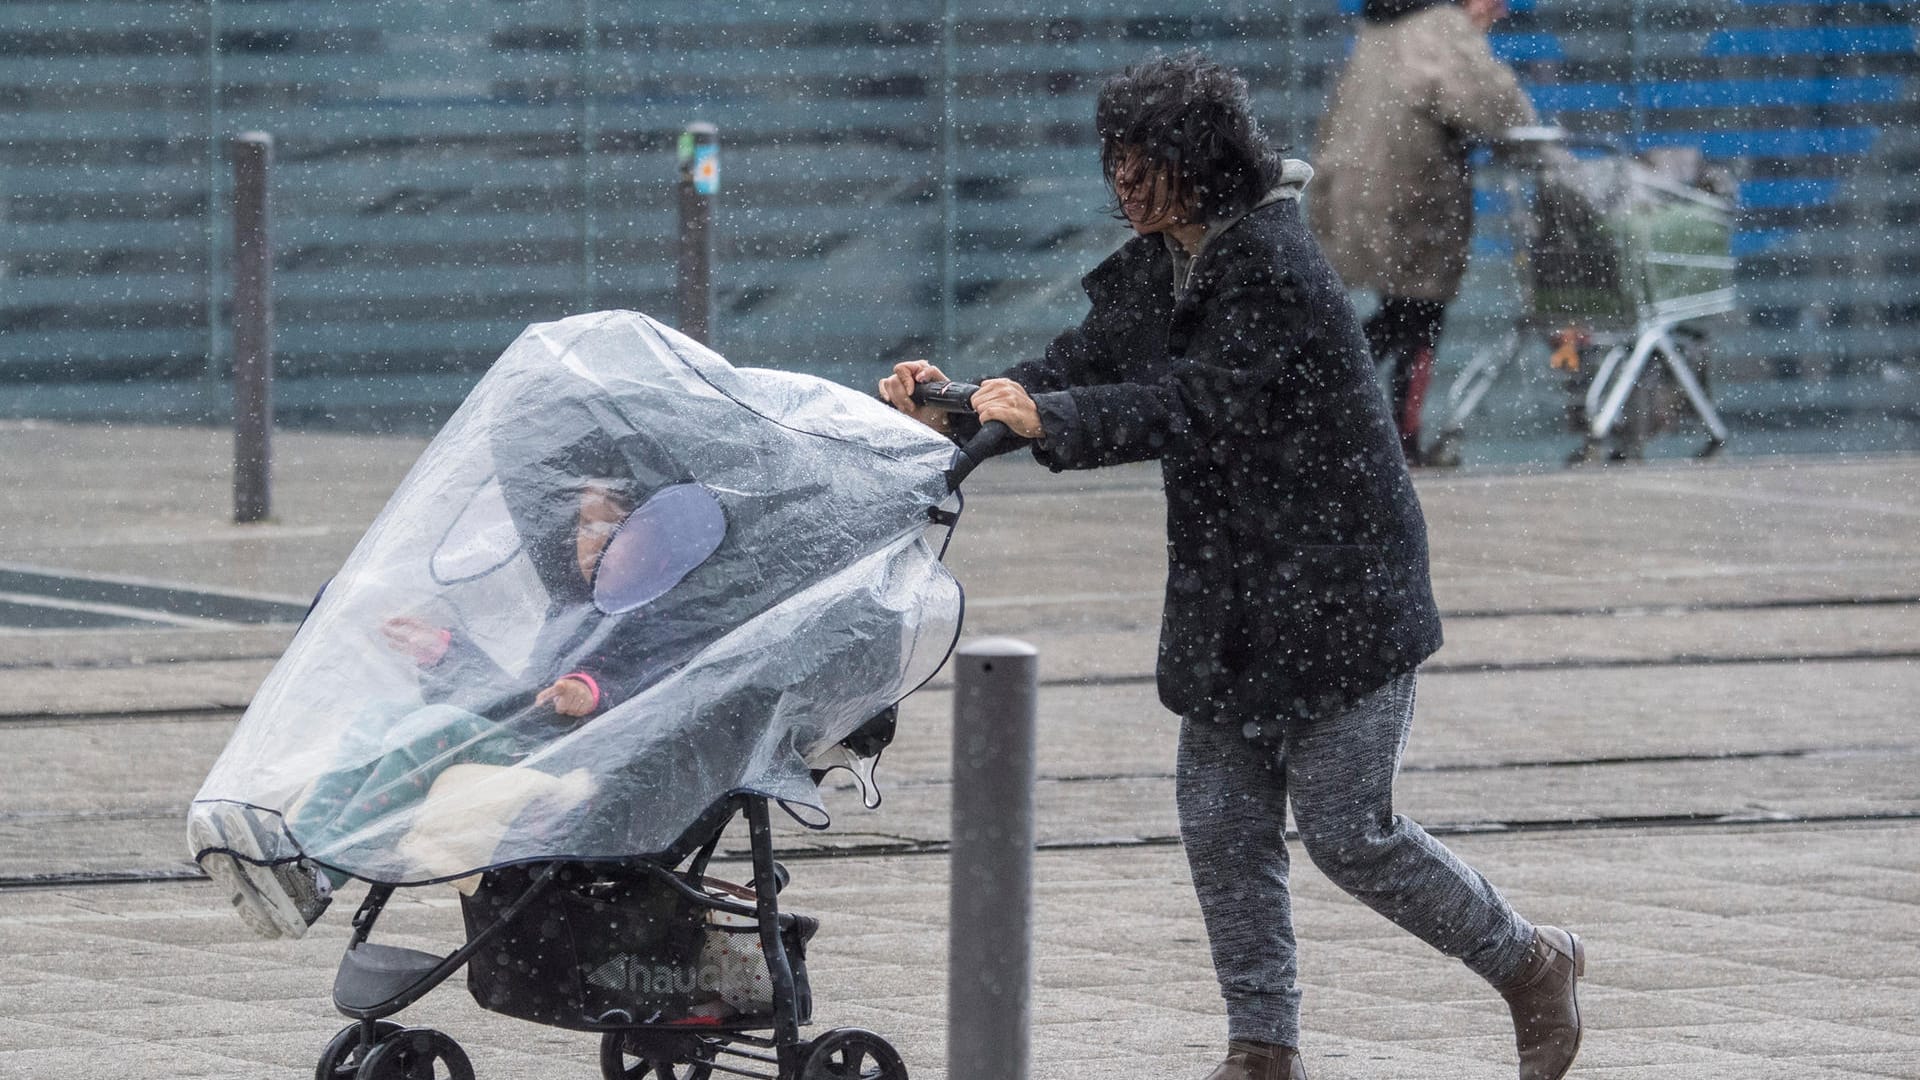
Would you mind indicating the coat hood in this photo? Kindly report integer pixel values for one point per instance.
(1292, 184)
(1294, 176)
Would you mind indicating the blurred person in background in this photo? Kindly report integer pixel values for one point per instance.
(1394, 203)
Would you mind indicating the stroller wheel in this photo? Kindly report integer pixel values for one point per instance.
(852, 1054)
(623, 1057)
(416, 1054)
(341, 1059)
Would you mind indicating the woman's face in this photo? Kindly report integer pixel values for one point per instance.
(1146, 194)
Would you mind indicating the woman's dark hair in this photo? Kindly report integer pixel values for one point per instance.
(1194, 119)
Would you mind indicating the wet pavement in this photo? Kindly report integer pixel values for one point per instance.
(1676, 712)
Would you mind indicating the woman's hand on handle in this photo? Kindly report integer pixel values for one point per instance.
(1008, 402)
(897, 391)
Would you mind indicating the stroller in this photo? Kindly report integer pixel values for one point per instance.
(628, 595)
(1616, 262)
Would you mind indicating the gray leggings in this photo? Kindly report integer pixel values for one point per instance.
(1339, 768)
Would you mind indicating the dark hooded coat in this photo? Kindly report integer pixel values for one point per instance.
(1297, 576)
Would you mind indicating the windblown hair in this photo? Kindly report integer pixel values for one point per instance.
(1194, 119)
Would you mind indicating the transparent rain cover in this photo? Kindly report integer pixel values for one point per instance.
(763, 582)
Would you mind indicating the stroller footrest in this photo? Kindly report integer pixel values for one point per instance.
(373, 977)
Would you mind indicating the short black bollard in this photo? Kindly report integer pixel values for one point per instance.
(990, 932)
(252, 330)
(699, 185)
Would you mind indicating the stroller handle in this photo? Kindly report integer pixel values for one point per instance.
(946, 396)
(957, 397)
(985, 443)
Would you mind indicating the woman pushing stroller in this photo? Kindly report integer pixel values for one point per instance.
(1298, 601)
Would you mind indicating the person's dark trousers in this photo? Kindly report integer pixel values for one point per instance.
(1406, 332)
(1339, 770)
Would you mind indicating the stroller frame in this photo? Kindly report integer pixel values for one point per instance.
(375, 982)
(1658, 331)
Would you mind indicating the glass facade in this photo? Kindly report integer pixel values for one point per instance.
(914, 178)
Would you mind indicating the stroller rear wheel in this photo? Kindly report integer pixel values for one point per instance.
(416, 1054)
(852, 1054)
(342, 1058)
(624, 1056)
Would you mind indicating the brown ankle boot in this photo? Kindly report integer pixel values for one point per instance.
(1546, 1011)
(1260, 1061)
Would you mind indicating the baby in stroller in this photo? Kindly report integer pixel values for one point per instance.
(564, 507)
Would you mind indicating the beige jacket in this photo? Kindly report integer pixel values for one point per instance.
(1393, 204)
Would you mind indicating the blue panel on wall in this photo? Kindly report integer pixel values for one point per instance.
(1526, 48)
(1578, 97)
(1518, 7)
(1748, 243)
(1787, 194)
(1813, 41)
(1771, 93)
(1783, 143)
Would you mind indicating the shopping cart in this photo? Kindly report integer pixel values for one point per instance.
(1614, 261)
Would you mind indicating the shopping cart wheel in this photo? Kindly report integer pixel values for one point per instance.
(1713, 447)
(629, 1056)
(1584, 455)
(416, 1054)
(341, 1059)
(852, 1054)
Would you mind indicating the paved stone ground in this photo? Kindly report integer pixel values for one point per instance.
(1715, 952)
(1675, 712)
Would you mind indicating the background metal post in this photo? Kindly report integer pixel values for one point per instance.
(699, 184)
(252, 330)
(990, 933)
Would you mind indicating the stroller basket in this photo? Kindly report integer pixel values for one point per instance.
(612, 948)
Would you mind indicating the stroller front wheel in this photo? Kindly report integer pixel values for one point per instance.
(852, 1054)
(416, 1054)
(341, 1059)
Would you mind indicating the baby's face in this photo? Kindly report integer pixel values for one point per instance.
(600, 512)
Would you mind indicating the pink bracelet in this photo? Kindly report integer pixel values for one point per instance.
(591, 685)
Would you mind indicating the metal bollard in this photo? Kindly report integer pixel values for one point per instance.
(699, 184)
(990, 932)
(252, 330)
